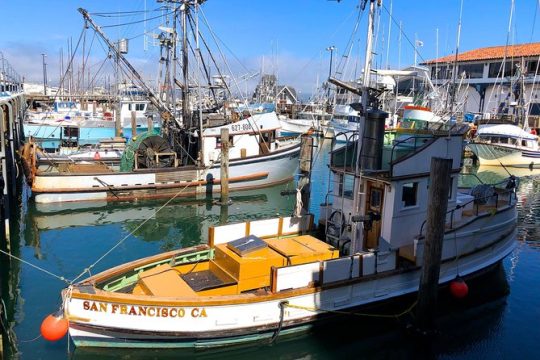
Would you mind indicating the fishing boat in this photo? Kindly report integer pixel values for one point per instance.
(505, 145)
(184, 160)
(258, 280)
(506, 139)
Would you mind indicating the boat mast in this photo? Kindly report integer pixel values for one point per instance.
(165, 112)
(186, 114)
(359, 197)
(454, 71)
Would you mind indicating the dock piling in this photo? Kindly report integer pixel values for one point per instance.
(437, 205)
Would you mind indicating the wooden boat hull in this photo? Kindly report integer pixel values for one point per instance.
(248, 173)
(105, 319)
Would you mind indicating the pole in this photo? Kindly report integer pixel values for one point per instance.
(224, 178)
(44, 74)
(133, 124)
(186, 118)
(437, 206)
(369, 44)
(331, 49)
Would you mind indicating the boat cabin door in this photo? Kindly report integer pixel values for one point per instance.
(265, 140)
(374, 204)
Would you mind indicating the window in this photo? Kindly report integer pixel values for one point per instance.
(346, 186)
(440, 72)
(473, 71)
(532, 67)
(375, 200)
(409, 194)
(495, 69)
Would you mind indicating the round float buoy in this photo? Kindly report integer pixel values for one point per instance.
(54, 327)
(97, 156)
(459, 288)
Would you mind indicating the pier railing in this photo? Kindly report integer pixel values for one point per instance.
(10, 80)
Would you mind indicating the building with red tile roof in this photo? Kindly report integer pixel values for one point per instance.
(492, 53)
(487, 76)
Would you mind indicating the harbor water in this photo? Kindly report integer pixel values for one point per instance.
(56, 244)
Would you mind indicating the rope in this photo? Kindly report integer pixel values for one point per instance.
(282, 306)
(35, 266)
(88, 269)
(390, 316)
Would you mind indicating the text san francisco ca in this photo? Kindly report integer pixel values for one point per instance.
(150, 311)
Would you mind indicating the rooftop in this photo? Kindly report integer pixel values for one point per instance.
(492, 53)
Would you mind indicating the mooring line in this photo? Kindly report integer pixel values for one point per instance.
(36, 267)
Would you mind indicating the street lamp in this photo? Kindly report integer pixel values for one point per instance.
(44, 75)
(331, 49)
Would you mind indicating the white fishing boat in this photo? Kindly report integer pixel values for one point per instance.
(185, 161)
(305, 122)
(257, 158)
(505, 145)
(259, 280)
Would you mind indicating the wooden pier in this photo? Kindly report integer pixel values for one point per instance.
(12, 108)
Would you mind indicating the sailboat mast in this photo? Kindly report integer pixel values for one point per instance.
(454, 72)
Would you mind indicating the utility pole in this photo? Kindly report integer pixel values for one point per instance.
(44, 74)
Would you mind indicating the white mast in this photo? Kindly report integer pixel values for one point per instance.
(359, 198)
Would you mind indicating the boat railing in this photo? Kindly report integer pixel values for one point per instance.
(486, 203)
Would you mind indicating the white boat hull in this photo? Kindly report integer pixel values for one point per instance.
(180, 324)
(248, 173)
(499, 155)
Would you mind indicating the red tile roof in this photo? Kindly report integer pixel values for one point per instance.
(492, 53)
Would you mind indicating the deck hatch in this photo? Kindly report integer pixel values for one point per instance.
(246, 245)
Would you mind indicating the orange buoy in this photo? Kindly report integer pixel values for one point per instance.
(97, 156)
(459, 288)
(54, 327)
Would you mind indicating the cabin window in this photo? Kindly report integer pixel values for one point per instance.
(346, 186)
(409, 194)
(139, 107)
(504, 140)
(523, 142)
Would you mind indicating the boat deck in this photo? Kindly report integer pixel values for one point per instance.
(243, 265)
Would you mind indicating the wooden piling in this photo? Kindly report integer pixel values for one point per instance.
(133, 124)
(304, 183)
(224, 177)
(437, 207)
(150, 123)
(117, 120)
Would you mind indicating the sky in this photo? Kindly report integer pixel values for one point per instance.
(288, 38)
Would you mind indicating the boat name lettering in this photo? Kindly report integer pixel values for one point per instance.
(138, 310)
(241, 127)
